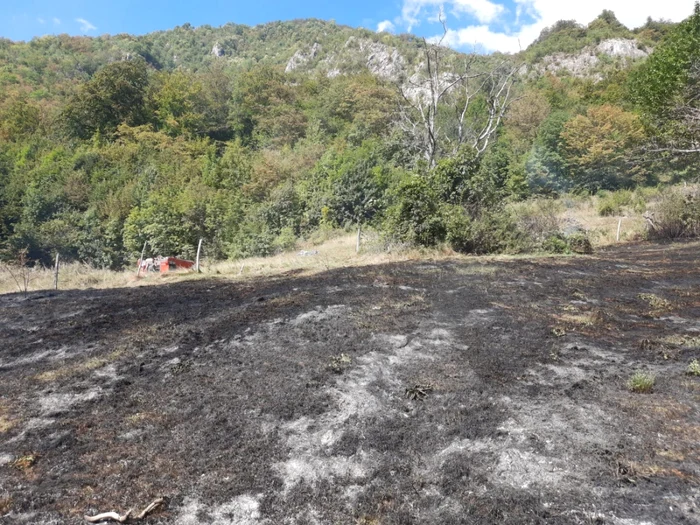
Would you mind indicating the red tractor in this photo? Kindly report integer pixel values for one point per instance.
(163, 264)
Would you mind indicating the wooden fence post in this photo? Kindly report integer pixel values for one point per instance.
(619, 225)
(55, 274)
(199, 249)
(359, 235)
(143, 252)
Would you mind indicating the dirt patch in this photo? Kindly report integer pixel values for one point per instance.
(285, 400)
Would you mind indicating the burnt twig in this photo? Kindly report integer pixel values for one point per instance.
(114, 516)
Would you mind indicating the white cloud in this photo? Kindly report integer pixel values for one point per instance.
(56, 21)
(491, 33)
(484, 11)
(41, 21)
(385, 25)
(85, 26)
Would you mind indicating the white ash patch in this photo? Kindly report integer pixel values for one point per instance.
(6, 459)
(52, 355)
(38, 422)
(690, 325)
(393, 341)
(57, 403)
(568, 374)
(241, 510)
(521, 469)
(132, 435)
(73, 313)
(410, 288)
(477, 316)
(537, 445)
(579, 362)
(310, 441)
(32, 424)
(108, 372)
(312, 469)
(319, 314)
(628, 521)
(169, 350)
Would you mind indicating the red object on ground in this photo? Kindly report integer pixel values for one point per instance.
(173, 263)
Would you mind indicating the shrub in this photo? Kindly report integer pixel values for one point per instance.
(492, 231)
(286, 240)
(580, 243)
(539, 218)
(458, 227)
(415, 215)
(606, 208)
(556, 243)
(676, 216)
(641, 382)
(577, 242)
(612, 203)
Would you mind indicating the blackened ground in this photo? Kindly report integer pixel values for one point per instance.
(285, 400)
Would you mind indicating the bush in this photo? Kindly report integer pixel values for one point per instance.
(693, 368)
(539, 218)
(676, 215)
(612, 203)
(556, 243)
(492, 231)
(542, 228)
(285, 241)
(458, 227)
(579, 243)
(415, 215)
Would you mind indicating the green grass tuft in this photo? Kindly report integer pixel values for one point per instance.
(693, 368)
(641, 382)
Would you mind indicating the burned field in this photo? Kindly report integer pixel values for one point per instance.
(457, 391)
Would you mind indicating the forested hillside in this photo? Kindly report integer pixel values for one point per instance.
(252, 137)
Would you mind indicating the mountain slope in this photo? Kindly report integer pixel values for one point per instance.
(48, 66)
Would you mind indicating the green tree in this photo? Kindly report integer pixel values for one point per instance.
(180, 104)
(667, 88)
(116, 94)
(264, 108)
(19, 118)
(598, 147)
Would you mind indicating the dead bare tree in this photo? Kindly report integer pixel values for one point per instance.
(20, 271)
(435, 132)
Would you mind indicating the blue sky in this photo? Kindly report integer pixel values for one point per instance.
(504, 25)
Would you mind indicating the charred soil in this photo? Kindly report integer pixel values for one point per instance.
(458, 391)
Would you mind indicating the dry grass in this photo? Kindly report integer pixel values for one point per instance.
(71, 276)
(603, 230)
(657, 304)
(86, 366)
(338, 252)
(6, 423)
(682, 340)
(25, 462)
(334, 253)
(5, 505)
(583, 319)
